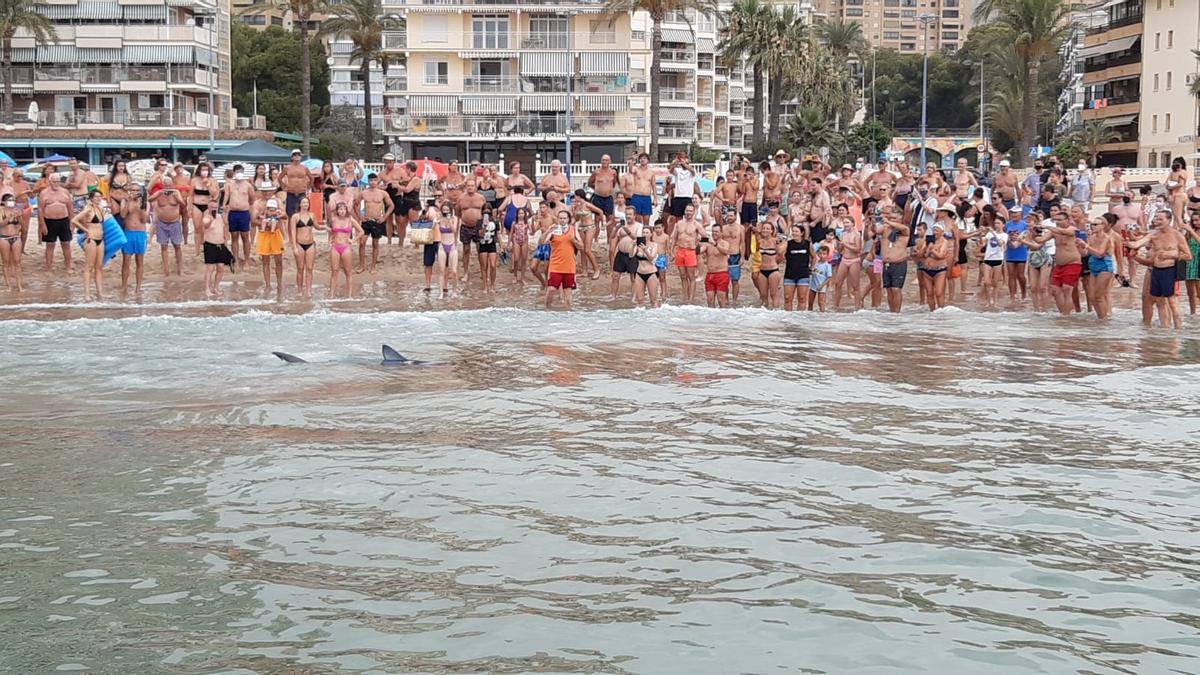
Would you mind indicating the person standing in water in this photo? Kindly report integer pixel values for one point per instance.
(342, 225)
(133, 217)
(239, 194)
(377, 209)
(55, 212)
(564, 242)
(216, 252)
(270, 243)
(90, 221)
(301, 227)
(10, 240)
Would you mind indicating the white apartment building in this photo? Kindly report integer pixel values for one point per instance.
(127, 76)
(1170, 116)
(481, 79)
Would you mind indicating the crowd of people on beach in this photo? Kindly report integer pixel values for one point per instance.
(808, 237)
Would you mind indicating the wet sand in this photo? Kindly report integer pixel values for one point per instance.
(397, 285)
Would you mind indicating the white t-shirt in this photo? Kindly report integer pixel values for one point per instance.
(685, 182)
(929, 213)
(996, 244)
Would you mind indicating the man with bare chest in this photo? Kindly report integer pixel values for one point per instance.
(469, 210)
(377, 208)
(296, 182)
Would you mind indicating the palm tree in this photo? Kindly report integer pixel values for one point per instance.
(658, 9)
(1034, 28)
(1003, 111)
(747, 27)
(843, 38)
(820, 79)
(363, 23)
(810, 130)
(20, 15)
(779, 55)
(302, 12)
(1092, 135)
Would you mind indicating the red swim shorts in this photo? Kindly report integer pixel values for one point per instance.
(560, 280)
(1066, 275)
(716, 282)
(685, 257)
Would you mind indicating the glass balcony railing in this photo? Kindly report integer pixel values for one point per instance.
(128, 118)
(586, 124)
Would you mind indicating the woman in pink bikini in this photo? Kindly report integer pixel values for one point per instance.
(447, 236)
(341, 225)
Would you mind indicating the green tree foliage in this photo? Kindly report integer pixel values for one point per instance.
(747, 26)
(809, 130)
(953, 102)
(1069, 152)
(272, 58)
(363, 23)
(16, 15)
(863, 138)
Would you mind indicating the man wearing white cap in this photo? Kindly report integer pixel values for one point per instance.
(1005, 183)
(296, 182)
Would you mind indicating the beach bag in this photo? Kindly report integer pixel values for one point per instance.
(421, 232)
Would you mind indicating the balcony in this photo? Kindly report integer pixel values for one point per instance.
(678, 58)
(520, 125)
(487, 84)
(686, 132)
(676, 95)
(416, 5)
(705, 99)
(106, 75)
(395, 83)
(1130, 20)
(124, 118)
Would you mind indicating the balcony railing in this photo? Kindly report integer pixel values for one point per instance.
(685, 132)
(1118, 23)
(676, 94)
(1116, 100)
(586, 124)
(128, 118)
(678, 56)
(705, 99)
(485, 3)
(104, 74)
(1102, 63)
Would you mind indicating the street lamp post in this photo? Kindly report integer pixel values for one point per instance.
(570, 76)
(926, 20)
(207, 17)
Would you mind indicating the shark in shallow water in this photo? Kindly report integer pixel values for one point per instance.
(391, 357)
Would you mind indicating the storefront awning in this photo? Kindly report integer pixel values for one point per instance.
(604, 63)
(489, 105)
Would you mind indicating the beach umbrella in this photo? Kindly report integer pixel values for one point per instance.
(5, 157)
(54, 159)
(314, 165)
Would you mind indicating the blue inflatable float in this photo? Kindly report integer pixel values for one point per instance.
(114, 238)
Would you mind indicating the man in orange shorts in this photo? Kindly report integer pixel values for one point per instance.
(686, 240)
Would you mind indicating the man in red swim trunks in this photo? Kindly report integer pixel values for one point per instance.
(686, 239)
(1067, 262)
(716, 252)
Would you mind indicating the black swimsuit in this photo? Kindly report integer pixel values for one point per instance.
(763, 253)
(200, 193)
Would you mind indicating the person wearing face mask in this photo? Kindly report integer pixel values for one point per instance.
(239, 194)
(10, 241)
(1083, 185)
(204, 188)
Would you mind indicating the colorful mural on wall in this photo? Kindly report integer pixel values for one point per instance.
(942, 150)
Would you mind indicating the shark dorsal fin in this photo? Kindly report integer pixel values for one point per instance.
(288, 358)
(392, 356)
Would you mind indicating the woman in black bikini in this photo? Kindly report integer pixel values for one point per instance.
(304, 247)
(646, 278)
(329, 183)
(770, 278)
(204, 186)
(119, 185)
(10, 241)
(90, 221)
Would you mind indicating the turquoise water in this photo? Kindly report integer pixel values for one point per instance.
(605, 491)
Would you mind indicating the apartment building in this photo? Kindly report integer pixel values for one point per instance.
(261, 15)
(1072, 99)
(1112, 78)
(1170, 115)
(122, 76)
(893, 24)
(482, 79)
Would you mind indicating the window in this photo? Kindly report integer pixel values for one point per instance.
(1154, 124)
(489, 32)
(1152, 159)
(1165, 158)
(151, 101)
(436, 28)
(1156, 82)
(1168, 124)
(1170, 76)
(1170, 39)
(254, 19)
(950, 14)
(277, 21)
(891, 35)
(854, 11)
(547, 32)
(949, 35)
(1157, 41)
(908, 47)
(437, 72)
